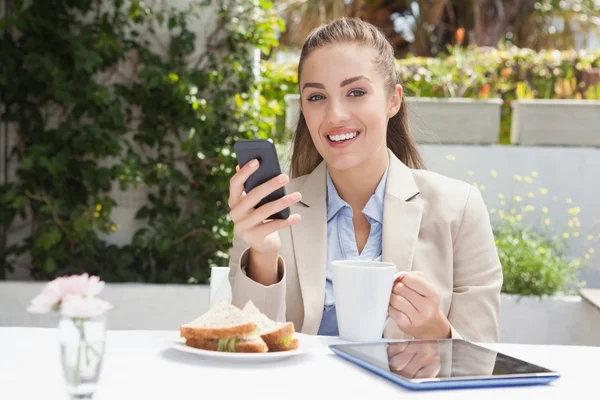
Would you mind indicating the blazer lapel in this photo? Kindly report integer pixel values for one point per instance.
(310, 247)
(402, 212)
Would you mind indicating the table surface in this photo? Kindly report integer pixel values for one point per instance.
(142, 365)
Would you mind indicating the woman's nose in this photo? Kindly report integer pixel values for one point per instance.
(337, 113)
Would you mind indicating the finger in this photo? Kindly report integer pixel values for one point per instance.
(401, 360)
(265, 229)
(428, 371)
(419, 285)
(396, 348)
(419, 361)
(254, 197)
(259, 215)
(401, 304)
(237, 168)
(414, 298)
(236, 183)
(399, 318)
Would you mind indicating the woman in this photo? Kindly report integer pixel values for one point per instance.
(353, 152)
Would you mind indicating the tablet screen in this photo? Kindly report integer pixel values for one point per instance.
(441, 360)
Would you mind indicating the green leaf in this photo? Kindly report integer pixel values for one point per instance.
(49, 265)
(48, 238)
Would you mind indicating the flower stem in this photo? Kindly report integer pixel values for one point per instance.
(80, 327)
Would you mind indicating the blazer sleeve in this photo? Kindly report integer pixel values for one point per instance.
(268, 299)
(475, 307)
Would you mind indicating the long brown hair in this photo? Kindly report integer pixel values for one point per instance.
(305, 156)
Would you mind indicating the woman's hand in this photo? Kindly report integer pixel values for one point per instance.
(414, 360)
(415, 307)
(252, 224)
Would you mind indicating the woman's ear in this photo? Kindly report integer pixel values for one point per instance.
(395, 101)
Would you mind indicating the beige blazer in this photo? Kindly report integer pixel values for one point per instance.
(431, 223)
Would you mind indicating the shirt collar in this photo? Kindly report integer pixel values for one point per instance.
(374, 207)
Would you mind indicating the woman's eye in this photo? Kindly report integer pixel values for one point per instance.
(357, 93)
(316, 97)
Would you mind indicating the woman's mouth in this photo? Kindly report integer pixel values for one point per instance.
(342, 140)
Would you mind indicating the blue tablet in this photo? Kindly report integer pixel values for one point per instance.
(442, 364)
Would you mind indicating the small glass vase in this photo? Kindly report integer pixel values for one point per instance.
(82, 342)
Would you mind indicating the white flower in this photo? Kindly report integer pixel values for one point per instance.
(78, 306)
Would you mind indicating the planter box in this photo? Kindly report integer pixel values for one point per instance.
(454, 120)
(557, 320)
(433, 120)
(556, 122)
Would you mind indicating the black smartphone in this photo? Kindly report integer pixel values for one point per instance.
(264, 151)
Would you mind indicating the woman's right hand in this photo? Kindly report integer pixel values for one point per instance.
(251, 223)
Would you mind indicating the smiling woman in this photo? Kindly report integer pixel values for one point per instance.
(359, 192)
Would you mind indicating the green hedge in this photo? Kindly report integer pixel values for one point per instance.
(507, 73)
(167, 122)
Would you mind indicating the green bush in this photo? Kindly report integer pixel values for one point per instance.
(167, 123)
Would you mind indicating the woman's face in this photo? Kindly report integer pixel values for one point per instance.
(346, 105)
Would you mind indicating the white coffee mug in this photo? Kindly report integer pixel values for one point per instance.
(362, 291)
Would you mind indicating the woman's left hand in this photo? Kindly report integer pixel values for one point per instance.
(415, 307)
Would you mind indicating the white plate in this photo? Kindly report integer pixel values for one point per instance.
(303, 348)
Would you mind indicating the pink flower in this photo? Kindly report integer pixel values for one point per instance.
(79, 306)
(56, 291)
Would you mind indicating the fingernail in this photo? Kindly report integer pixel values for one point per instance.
(282, 179)
(253, 164)
(296, 196)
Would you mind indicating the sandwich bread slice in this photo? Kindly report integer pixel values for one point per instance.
(279, 336)
(224, 328)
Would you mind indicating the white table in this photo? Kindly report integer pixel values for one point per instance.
(140, 365)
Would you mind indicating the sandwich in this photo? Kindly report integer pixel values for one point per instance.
(227, 328)
(279, 336)
(223, 328)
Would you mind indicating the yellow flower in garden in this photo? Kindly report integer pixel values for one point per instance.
(528, 179)
(493, 211)
(518, 178)
(494, 173)
(513, 211)
(450, 157)
(500, 196)
(568, 201)
(497, 242)
(529, 208)
(96, 215)
(530, 195)
(574, 210)
(501, 214)
(482, 188)
(590, 237)
(543, 191)
(588, 256)
(576, 234)
(518, 199)
(534, 174)
(577, 262)
(541, 250)
(518, 217)
(470, 172)
(98, 207)
(545, 210)
(577, 224)
(547, 221)
(591, 251)
(570, 223)
(566, 235)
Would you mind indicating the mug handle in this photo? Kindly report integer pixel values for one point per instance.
(396, 276)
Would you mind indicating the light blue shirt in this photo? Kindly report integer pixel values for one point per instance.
(341, 241)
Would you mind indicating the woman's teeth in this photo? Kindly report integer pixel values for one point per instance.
(340, 138)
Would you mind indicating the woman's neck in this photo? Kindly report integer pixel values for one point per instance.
(356, 185)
